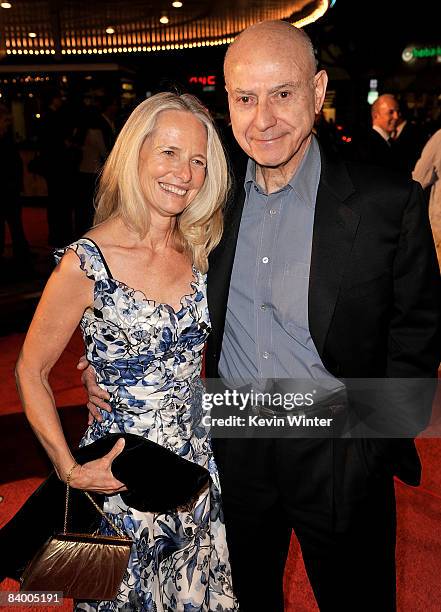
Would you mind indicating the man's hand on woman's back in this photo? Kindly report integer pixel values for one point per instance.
(96, 396)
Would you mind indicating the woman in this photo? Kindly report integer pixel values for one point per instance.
(136, 284)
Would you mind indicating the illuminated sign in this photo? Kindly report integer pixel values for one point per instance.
(203, 80)
(426, 52)
(410, 53)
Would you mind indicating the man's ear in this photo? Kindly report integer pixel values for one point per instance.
(320, 83)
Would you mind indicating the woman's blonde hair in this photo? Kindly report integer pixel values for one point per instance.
(199, 226)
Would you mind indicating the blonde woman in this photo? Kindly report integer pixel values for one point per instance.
(136, 284)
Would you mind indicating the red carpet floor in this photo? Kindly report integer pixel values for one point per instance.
(419, 510)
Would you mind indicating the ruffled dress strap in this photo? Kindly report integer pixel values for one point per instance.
(92, 261)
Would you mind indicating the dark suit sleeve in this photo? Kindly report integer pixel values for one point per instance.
(414, 339)
(399, 406)
(415, 330)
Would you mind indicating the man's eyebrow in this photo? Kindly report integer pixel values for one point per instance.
(292, 84)
(243, 92)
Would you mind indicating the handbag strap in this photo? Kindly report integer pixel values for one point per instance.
(103, 514)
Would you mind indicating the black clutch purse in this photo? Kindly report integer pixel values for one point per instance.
(157, 479)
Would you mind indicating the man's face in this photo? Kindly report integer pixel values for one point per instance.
(387, 115)
(273, 101)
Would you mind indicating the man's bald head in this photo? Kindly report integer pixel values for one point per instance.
(385, 113)
(383, 100)
(274, 94)
(273, 37)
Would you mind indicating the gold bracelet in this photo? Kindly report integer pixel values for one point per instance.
(69, 474)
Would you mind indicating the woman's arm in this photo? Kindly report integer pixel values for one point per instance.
(67, 294)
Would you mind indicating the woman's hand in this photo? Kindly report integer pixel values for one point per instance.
(97, 475)
(96, 395)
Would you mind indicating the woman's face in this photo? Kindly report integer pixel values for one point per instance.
(172, 163)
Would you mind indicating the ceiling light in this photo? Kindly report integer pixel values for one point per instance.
(110, 30)
(32, 35)
(177, 4)
(6, 5)
(164, 19)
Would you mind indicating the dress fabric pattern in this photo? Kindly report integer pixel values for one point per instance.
(148, 357)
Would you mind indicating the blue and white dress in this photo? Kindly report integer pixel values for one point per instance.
(148, 357)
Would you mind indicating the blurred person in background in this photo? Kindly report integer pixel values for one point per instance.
(376, 146)
(109, 112)
(94, 139)
(10, 187)
(59, 162)
(427, 171)
(407, 141)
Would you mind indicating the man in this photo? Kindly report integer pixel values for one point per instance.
(324, 272)
(376, 147)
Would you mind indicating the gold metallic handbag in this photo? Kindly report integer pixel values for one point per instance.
(82, 566)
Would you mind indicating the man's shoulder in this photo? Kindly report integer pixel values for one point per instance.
(377, 190)
(372, 177)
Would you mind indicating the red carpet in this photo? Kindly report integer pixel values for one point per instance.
(419, 510)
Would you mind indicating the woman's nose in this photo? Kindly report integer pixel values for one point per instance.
(183, 171)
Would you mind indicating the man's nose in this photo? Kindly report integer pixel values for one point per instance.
(264, 118)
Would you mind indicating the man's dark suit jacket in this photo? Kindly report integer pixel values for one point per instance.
(374, 288)
(371, 148)
(408, 147)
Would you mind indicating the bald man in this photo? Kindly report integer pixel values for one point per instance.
(385, 114)
(325, 272)
(377, 146)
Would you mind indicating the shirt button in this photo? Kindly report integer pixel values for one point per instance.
(265, 355)
(273, 212)
(263, 307)
(265, 259)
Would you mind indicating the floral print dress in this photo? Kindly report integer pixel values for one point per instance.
(148, 357)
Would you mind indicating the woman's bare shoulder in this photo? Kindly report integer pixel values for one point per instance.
(105, 234)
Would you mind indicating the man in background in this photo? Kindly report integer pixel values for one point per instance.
(376, 147)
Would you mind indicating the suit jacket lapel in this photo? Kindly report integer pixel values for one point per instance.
(335, 225)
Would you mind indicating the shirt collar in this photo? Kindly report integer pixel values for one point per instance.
(400, 128)
(304, 181)
(382, 132)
